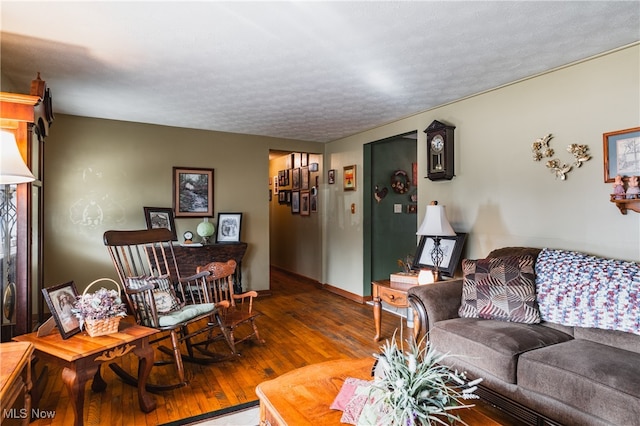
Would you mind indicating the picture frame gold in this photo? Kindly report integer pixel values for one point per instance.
(621, 153)
(349, 178)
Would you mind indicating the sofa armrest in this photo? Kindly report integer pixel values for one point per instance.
(434, 302)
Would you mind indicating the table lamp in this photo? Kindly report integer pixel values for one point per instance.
(205, 229)
(12, 167)
(435, 225)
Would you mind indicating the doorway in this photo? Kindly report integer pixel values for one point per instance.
(390, 205)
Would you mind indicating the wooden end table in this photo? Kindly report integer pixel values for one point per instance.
(81, 357)
(395, 294)
(15, 382)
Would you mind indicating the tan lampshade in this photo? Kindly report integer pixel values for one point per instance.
(435, 223)
(12, 167)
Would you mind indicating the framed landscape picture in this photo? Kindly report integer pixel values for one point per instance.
(349, 178)
(192, 192)
(160, 217)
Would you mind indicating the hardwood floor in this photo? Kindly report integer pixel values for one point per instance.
(301, 325)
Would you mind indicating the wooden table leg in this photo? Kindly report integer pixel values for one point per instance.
(377, 318)
(98, 384)
(145, 354)
(75, 378)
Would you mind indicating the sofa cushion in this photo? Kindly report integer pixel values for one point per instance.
(601, 380)
(493, 346)
(619, 339)
(576, 289)
(500, 288)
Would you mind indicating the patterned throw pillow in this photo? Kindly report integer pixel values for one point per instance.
(500, 288)
(163, 294)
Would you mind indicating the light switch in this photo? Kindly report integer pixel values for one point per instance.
(397, 208)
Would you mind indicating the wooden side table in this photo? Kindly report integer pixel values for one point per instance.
(81, 357)
(15, 383)
(393, 293)
(303, 396)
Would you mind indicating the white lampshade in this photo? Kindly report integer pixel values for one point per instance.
(12, 166)
(435, 223)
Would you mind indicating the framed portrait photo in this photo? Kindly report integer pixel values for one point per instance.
(305, 203)
(331, 176)
(60, 300)
(451, 247)
(621, 151)
(160, 217)
(192, 192)
(229, 227)
(349, 178)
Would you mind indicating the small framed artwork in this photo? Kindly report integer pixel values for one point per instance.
(621, 153)
(295, 178)
(451, 247)
(331, 176)
(304, 177)
(349, 178)
(314, 202)
(304, 159)
(229, 227)
(295, 202)
(160, 217)
(192, 192)
(305, 201)
(60, 300)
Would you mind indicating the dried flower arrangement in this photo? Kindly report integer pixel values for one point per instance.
(99, 306)
(412, 388)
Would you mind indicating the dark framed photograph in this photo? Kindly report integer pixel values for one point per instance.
(192, 192)
(621, 154)
(60, 300)
(295, 178)
(295, 202)
(229, 227)
(160, 217)
(349, 178)
(305, 203)
(304, 177)
(331, 176)
(451, 247)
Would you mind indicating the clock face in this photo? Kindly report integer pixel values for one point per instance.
(437, 143)
(188, 235)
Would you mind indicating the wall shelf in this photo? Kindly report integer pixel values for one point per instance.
(625, 204)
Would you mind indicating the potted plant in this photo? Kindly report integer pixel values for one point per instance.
(101, 311)
(412, 388)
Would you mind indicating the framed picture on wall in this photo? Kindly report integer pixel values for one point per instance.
(229, 227)
(192, 192)
(304, 177)
(349, 178)
(160, 217)
(295, 202)
(60, 300)
(331, 176)
(621, 153)
(305, 201)
(295, 178)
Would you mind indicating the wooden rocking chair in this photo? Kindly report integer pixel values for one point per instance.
(180, 308)
(240, 310)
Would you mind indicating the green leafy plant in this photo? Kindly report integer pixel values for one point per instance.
(414, 389)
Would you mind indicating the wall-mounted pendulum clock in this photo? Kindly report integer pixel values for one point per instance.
(440, 151)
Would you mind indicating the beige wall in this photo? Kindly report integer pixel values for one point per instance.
(499, 195)
(101, 173)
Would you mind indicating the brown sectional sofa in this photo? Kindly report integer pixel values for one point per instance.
(545, 373)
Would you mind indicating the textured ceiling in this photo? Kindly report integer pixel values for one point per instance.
(314, 71)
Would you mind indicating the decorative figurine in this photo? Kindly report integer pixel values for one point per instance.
(633, 190)
(618, 188)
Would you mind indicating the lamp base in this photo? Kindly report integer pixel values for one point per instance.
(437, 276)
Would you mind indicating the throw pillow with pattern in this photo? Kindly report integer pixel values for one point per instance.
(163, 294)
(500, 288)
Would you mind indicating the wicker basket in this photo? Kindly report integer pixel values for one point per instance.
(101, 327)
